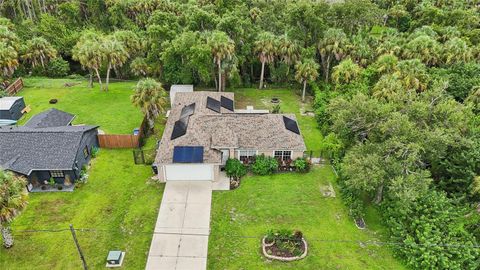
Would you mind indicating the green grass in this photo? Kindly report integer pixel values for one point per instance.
(292, 201)
(111, 110)
(289, 103)
(118, 198)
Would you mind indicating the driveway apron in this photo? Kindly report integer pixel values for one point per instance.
(180, 238)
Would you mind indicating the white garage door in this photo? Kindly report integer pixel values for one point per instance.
(189, 172)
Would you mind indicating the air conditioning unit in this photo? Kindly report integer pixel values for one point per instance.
(115, 258)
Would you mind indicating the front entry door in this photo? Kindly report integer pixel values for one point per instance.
(225, 155)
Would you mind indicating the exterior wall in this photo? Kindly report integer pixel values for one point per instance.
(16, 110)
(295, 154)
(90, 140)
(42, 177)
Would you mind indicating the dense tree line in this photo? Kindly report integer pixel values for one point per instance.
(396, 85)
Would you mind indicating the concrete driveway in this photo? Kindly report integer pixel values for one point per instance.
(180, 239)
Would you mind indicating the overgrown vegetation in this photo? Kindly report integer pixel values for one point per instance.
(397, 94)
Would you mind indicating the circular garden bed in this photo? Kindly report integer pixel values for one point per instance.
(284, 245)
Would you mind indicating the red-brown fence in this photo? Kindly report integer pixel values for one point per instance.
(123, 140)
(118, 141)
(16, 86)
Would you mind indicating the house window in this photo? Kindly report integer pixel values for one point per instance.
(283, 155)
(57, 174)
(246, 155)
(85, 151)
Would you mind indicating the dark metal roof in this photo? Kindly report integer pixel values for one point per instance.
(188, 154)
(24, 149)
(291, 125)
(213, 104)
(227, 103)
(50, 118)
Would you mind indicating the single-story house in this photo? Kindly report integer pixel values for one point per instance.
(42, 150)
(11, 108)
(204, 130)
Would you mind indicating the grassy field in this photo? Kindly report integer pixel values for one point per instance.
(111, 110)
(118, 201)
(292, 201)
(289, 103)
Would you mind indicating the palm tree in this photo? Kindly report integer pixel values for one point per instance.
(139, 67)
(346, 72)
(332, 46)
(306, 71)
(289, 51)
(424, 48)
(89, 54)
(456, 50)
(266, 48)
(8, 60)
(222, 47)
(360, 51)
(386, 63)
(151, 98)
(388, 87)
(115, 55)
(413, 74)
(13, 199)
(38, 51)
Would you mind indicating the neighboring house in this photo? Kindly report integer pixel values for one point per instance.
(47, 147)
(11, 108)
(204, 130)
(50, 118)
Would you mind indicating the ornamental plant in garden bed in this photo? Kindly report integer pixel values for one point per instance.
(284, 244)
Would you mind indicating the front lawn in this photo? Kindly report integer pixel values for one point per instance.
(118, 202)
(112, 110)
(240, 218)
(289, 103)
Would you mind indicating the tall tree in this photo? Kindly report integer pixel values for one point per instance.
(306, 71)
(425, 48)
(13, 199)
(151, 98)
(8, 59)
(266, 48)
(456, 51)
(346, 72)
(222, 47)
(89, 53)
(289, 51)
(38, 51)
(115, 55)
(331, 47)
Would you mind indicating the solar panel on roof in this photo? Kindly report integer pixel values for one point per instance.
(180, 128)
(187, 110)
(213, 104)
(188, 154)
(291, 125)
(227, 103)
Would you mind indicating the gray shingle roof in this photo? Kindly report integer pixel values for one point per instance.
(50, 118)
(227, 129)
(23, 149)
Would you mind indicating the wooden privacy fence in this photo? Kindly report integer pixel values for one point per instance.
(118, 141)
(123, 140)
(16, 86)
